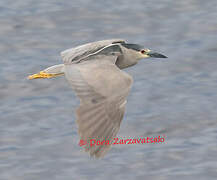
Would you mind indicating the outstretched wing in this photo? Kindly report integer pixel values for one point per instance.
(102, 88)
(79, 52)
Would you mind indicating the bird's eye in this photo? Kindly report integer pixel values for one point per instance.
(143, 51)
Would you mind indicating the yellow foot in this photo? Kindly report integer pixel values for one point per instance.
(42, 74)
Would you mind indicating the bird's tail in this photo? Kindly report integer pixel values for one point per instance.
(50, 72)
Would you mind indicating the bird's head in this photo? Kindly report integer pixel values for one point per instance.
(139, 52)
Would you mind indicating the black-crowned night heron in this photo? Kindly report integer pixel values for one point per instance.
(94, 72)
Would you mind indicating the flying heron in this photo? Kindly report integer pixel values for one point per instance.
(94, 72)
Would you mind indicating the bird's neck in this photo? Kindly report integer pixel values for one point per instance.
(124, 62)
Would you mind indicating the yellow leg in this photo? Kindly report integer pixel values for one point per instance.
(43, 74)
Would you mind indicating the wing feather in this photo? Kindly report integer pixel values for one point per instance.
(79, 52)
(102, 88)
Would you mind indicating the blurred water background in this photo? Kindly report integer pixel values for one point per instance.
(176, 97)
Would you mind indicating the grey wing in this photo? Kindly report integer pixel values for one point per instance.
(79, 52)
(102, 88)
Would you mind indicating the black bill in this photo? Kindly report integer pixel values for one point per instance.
(156, 55)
